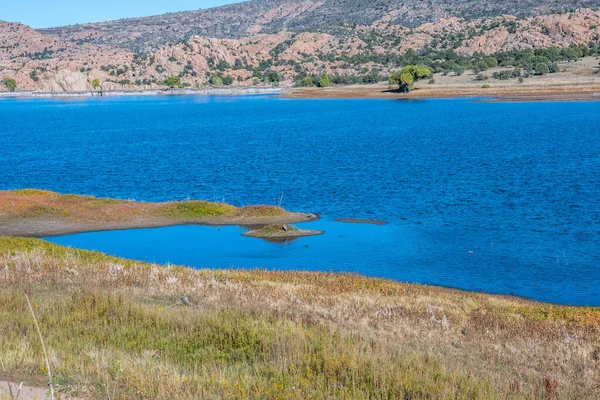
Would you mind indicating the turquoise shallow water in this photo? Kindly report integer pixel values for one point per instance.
(499, 197)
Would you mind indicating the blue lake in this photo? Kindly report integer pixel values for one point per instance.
(499, 197)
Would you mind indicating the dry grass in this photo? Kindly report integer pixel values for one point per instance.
(34, 203)
(116, 328)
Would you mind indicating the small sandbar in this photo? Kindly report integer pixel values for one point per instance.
(281, 232)
(361, 221)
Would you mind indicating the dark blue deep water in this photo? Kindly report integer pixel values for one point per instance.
(499, 197)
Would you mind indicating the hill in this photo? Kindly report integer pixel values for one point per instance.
(239, 20)
(70, 59)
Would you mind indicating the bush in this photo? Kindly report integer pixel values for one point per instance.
(541, 69)
(482, 66)
(324, 81)
(272, 77)
(491, 62)
(481, 77)
(10, 84)
(227, 80)
(458, 70)
(216, 81)
(502, 75)
(173, 82)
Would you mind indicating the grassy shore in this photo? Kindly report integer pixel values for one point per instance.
(32, 212)
(116, 328)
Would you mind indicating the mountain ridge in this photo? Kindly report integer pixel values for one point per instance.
(237, 20)
(353, 53)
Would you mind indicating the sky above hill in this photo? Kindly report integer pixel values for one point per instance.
(51, 13)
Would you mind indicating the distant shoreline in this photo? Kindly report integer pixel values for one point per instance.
(373, 91)
(500, 93)
(234, 91)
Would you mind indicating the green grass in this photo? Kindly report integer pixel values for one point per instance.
(31, 192)
(275, 229)
(196, 209)
(97, 336)
(118, 329)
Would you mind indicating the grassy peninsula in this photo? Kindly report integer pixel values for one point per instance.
(33, 212)
(115, 328)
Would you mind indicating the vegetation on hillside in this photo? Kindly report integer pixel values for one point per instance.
(149, 33)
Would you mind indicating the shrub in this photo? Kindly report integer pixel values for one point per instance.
(491, 62)
(227, 80)
(458, 70)
(541, 69)
(324, 81)
(482, 66)
(216, 81)
(11, 84)
(502, 75)
(173, 82)
(272, 77)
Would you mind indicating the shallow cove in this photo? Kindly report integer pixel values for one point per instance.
(502, 197)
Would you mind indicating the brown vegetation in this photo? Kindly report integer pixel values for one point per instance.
(122, 329)
(32, 212)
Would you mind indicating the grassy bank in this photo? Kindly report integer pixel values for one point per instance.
(120, 329)
(32, 212)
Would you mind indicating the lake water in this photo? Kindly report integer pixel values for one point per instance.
(499, 197)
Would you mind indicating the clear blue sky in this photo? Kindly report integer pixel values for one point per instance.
(50, 13)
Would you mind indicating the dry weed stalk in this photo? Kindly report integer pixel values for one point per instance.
(37, 327)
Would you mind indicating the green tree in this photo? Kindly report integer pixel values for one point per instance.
(216, 81)
(173, 82)
(458, 69)
(491, 62)
(96, 83)
(407, 76)
(324, 81)
(482, 66)
(11, 84)
(307, 81)
(272, 77)
(541, 69)
(227, 80)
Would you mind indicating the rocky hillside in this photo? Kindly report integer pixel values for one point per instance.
(38, 61)
(273, 16)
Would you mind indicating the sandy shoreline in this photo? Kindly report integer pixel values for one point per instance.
(382, 91)
(230, 91)
(374, 91)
